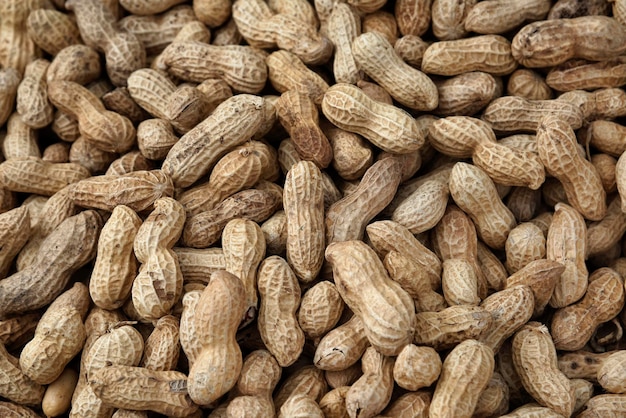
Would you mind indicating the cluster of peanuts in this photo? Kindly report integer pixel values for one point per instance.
(328, 208)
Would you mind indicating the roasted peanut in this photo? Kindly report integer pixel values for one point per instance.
(501, 16)
(416, 367)
(450, 326)
(371, 393)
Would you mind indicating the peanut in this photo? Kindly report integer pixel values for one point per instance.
(115, 267)
(529, 85)
(14, 384)
(342, 347)
(158, 286)
(370, 394)
(70, 246)
(487, 53)
(416, 367)
(589, 37)
(450, 326)
(124, 53)
(448, 17)
(465, 373)
(15, 229)
(534, 354)
(410, 87)
(212, 12)
(287, 72)
(9, 83)
(280, 297)
(603, 300)
(217, 367)
(243, 245)
(388, 311)
(56, 400)
(52, 30)
(512, 113)
(501, 16)
(77, 63)
(386, 126)
(32, 96)
(320, 309)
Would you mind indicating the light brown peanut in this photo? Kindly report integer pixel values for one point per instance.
(14, 384)
(158, 286)
(416, 367)
(320, 309)
(467, 93)
(371, 393)
(450, 326)
(15, 230)
(500, 17)
(236, 171)
(448, 17)
(299, 116)
(243, 244)
(556, 144)
(307, 380)
(487, 53)
(205, 228)
(32, 96)
(603, 300)
(347, 218)
(525, 243)
(33, 175)
(52, 30)
(77, 63)
(107, 130)
(287, 72)
(376, 57)
(59, 336)
(138, 190)
(70, 246)
(386, 126)
(459, 283)
(242, 67)
(352, 155)
(541, 276)
(224, 298)
(529, 85)
(588, 37)
(225, 133)
(343, 26)
(610, 373)
(262, 28)
(478, 198)
(513, 113)
(465, 373)
(9, 83)
(162, 347)
(280, 297)
(115, 267)
(98, 27)
(533, 354)
(342, 347)
(20, 140)
(303, 203)
(139, 388)
(358, 272)
(566, 243)
(275, 231)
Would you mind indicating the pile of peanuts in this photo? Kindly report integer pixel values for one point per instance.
(324, 208)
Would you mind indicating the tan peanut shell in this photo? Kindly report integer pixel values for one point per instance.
(387, 310)
(52, 30)
(377, 58)
(320, 309)
(14, 384)
(342, 347)
(15, 230)
(225, 133)
(33, 175)
(279, 292)
(219, 362)
(140, 388)
(303, 202)
(464, 374)
(243, 245)
(566, 243)
(116, 266)
(597, 38)
(370, 394)
(386, 126)
(500, 16)
(534, 354)
(70, 246)
(416, 367)
(158, 286)
(138, 190)
(450, 326)
(162, 347)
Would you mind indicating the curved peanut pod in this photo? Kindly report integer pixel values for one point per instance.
(116, 266)
(242, 67)
(595, 38)
(410, 87)
(14, 232)
(464, 375)
(232, 123)
(280, 299)
(556, 142)
(33, 175)
(69, 247)
(219, 364)
(14, 384)
(534, 355)
(138, 190)
(138, 388)
(386, 126)
(387, 310)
